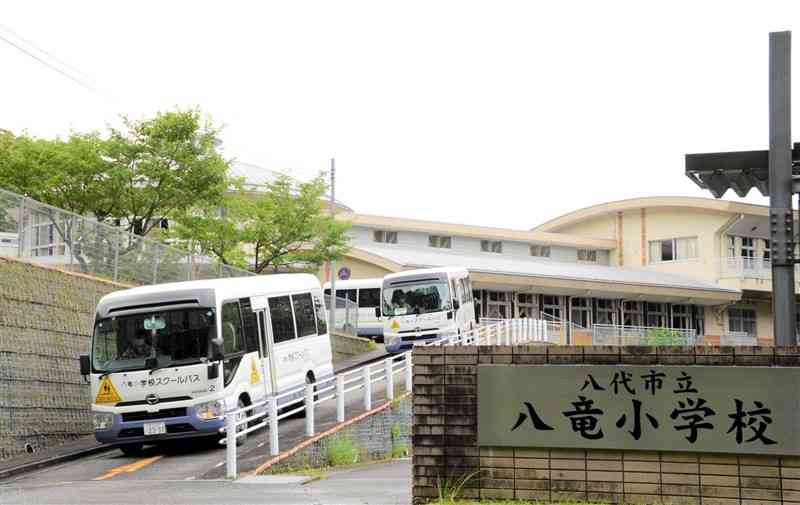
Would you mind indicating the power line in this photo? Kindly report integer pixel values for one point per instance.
(50, 66)
(45, 52)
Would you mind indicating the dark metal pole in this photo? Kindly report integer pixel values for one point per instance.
(780, 182)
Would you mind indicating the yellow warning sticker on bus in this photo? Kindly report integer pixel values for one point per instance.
(254, 377)
(395, 325)
(107, 393)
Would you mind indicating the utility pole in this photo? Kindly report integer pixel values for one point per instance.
(780, 182)
(332, 263)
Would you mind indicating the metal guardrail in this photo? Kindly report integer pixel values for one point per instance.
(238, 421)
(738, 338)
(47, 234)
(608, 334)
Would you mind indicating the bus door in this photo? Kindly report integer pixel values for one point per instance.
(264, 343)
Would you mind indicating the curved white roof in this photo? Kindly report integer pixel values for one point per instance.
(510, 265)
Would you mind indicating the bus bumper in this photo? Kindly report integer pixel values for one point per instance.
(399, 343)
(185, 426)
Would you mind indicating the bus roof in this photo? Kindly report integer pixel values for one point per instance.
(356, 283)
(231, 287)
(427, 271)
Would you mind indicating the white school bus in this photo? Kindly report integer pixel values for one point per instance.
(167, 360)
(366, 293)
(423, 305)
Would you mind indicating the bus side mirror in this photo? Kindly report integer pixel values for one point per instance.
(455, 305)
(85, 368)
(378, 312)
(217, 349)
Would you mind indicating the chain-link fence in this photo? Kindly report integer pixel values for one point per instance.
(346, 316)
(46, 234)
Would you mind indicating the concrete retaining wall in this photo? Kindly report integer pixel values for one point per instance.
(345, 346)
(445, 442)
(46, 318)
(374, 437)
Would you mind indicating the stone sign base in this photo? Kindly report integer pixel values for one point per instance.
(447, 455)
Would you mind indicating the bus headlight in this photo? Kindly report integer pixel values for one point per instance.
(102, 420)
(208, 410)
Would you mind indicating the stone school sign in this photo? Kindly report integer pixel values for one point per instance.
(753, 410)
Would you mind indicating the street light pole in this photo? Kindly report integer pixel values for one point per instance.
(332, 263)
(780, 190)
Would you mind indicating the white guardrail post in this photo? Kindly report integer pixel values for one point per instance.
(389, 379)
(230, 439)
(409, 373)
(273, 426)
(340, 398)
(309, 406)
(367, 388)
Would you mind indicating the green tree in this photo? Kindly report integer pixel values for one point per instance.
(216, 231)
(282, 228)
(290, 229)
(163, 167)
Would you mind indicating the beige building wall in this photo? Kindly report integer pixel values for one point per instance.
(359, 269)
(666, 223)
(602, 227)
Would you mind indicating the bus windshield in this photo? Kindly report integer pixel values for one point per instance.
(419, 298)
(175, 337)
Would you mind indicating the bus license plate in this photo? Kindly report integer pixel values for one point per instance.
(155, 428)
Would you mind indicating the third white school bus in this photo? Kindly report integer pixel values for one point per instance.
(168, 360)
(423, 305)
(366, 293)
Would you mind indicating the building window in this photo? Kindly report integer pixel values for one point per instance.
(657, 314)
(742, 320)
(551, 306)
(731, 246)
(748, 252)
(440, 241)
(526, 305)
(767, 254)
(385, 237)
(632, 313)
(681, 317)
(673, 249)
(605, 311)
(540, 251)
(587, 255)
(494, 246)
(579, 311)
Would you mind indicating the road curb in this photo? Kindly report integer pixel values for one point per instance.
(55, 460)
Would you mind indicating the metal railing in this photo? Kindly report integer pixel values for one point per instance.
(242, 421)
(346, 317)
(610, 334)
(46, 234)
(738, 338)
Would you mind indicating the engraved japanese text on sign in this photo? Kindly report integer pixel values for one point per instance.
(668, 408)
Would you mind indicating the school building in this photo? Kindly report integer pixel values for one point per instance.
(698, 266)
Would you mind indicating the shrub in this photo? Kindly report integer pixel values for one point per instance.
(341, 451)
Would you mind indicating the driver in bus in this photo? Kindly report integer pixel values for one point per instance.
(138, 347)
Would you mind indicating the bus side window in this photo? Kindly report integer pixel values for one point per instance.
(369, 298)
(304, 314)
(250, 322)
(232, 328)
(280, 312)
(322, 315)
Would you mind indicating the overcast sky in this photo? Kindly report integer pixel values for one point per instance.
(500, 113)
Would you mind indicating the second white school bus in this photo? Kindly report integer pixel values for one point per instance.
(366, 294)
(168, 360)
(423, 305)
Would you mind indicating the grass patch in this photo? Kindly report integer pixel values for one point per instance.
(341, 450)
(399, 448)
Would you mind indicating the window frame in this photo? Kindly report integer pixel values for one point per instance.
(490, 246)
(437, 241)
(385, 234)
(297, 334)
(243, 348)
(674, 249)
(587, 253)
(541, 251)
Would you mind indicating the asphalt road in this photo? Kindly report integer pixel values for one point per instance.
(177, 462)
(378, 484)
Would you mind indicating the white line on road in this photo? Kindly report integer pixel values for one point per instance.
(219, 464)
